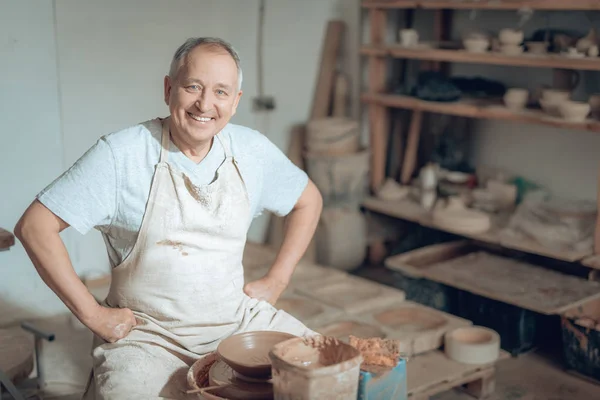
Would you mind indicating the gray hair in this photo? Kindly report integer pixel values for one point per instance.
(192, 43)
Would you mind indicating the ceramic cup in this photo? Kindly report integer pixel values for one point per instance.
(511, 36)
(594, 102)
(409, 37)
(476, 45)
(516, 98)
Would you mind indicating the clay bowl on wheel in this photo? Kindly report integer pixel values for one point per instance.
(248, 353)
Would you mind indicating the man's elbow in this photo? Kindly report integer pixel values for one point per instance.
(36, 220)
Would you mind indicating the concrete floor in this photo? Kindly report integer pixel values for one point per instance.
(66, 362)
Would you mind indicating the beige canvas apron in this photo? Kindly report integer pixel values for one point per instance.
(184, 282)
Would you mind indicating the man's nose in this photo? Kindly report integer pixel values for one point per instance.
(204, 102)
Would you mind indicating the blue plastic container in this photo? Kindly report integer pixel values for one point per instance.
(390, 385)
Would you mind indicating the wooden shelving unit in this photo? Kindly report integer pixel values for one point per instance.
(555, 5)
(478, 109)
(379, 99)
(410, 211)
(428, 53)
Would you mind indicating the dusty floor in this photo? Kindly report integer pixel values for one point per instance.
(66, 363)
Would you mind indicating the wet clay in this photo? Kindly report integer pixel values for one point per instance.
(343, 329)
(377, 351)
(409, 319)
(299, 308)
(248, 353)
(175, 245)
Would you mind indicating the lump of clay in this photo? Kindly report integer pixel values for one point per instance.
(377, 351)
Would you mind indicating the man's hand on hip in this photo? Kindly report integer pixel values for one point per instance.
(111, 324)
(268, 288)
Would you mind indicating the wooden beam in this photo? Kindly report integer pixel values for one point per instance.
(329, 56)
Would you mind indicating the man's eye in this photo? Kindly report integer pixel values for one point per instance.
(194, 87)
(221, 92)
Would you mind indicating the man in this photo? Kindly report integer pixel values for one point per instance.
(174, 199)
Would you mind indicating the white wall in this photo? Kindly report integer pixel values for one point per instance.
(31, 147)
(112, 57)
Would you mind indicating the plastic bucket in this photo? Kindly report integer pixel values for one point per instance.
(320, 368)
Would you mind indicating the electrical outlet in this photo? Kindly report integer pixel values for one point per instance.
(264, 103)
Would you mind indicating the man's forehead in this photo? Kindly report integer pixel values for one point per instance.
(189, 68)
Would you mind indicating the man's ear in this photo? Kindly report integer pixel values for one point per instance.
(167, 89)
(236, 102)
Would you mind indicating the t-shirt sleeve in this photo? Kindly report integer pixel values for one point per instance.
(84, 196)
(282, 181)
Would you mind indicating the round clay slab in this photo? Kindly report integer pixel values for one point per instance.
(248, 353)
(302, 309)
(411, 319)
(342, 329)
(234, 387)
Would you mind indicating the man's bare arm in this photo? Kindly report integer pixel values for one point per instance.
(39, 232)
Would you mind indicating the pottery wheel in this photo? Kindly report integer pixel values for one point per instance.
(239, 387)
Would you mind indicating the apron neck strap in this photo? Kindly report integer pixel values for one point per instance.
(164, 141)
(224, 144)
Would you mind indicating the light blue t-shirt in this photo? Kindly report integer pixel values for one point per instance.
(108, 187)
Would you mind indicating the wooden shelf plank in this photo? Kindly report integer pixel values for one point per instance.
(555, 5)
(514, 282)
(473, 108)
(433, 372)
(492, 58)
(410, 211)
(7, 239)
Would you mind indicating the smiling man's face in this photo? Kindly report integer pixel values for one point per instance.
(203, 96)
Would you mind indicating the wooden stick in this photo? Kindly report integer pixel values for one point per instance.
(410, 157)
(329, 54)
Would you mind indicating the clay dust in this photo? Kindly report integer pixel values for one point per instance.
(378, 354)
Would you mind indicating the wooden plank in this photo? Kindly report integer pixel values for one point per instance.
(412, 146)
(433, 372)
(483, 109)
(329, 55)
(514, 282)
(490, 58)
(411, 211)
(592, 261)
(555, 5)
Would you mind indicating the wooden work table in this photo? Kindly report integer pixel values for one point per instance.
(7, 239)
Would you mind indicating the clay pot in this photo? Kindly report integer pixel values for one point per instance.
(320, 368)
(575, 111)
(511, 49)
(476, 45)
(516, 98)
(594, 102)
(409, 37)
(511, 36)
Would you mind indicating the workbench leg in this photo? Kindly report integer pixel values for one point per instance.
(484, 387)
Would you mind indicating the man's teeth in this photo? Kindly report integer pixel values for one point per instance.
(201, 119)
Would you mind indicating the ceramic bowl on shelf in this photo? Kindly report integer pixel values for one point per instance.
(574, 111)
(476, 45)
(551, 107)
(511, 36)
(516, 98)
(511, 49)
(555, 95)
